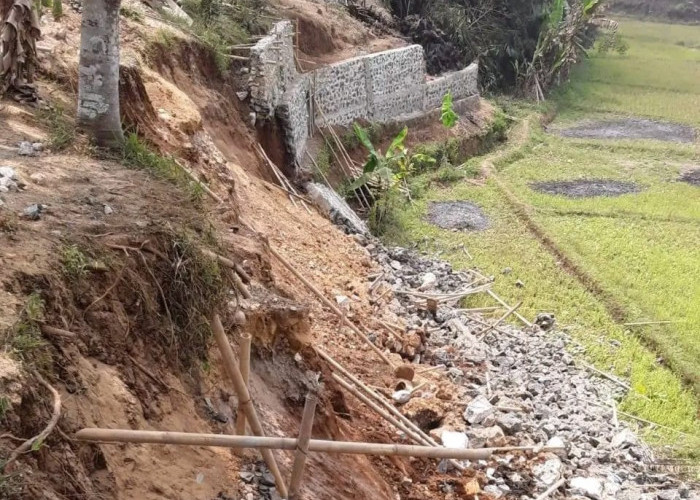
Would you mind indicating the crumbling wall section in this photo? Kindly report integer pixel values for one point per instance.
(379, 87)
(272, 69)
(294, 116)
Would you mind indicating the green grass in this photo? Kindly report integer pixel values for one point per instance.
(137, 154)
(640, 253)
(656, 78)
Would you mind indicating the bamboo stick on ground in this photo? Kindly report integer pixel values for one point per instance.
(307, 422)
(500, 320)
(228, 263)
(244, 357)
(191, 175)
(52, 330)
(384, 402)
(503, 303)
(551, 489)
(234, 373)
(330, 305)
(382, 413)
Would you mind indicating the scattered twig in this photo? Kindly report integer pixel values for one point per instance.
(500, 320)
(430, 369)
(191, 175)
(154, 377)
(607, 376)
(551, 489)
(503, 303)
(111, 287)
(37, 440)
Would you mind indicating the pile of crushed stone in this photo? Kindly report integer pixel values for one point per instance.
(516, 387)
(586, 188)
(631, 128)
(460, 215)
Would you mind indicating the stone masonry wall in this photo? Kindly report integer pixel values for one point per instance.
(341, 91)
(272, 69)
(379, 87)
(460, 84)
(395, 81)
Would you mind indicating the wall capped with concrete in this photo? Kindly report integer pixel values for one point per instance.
(340, 91)
(379, 87)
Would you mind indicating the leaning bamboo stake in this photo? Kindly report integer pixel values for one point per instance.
(234, 373)
(382, 401)
(330, 305)
(244, 357)
(279, 443)
(191, 175)
(606, 375)
(307, 422)
(379, 411)
(503, 303)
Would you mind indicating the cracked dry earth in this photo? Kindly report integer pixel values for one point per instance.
(521, 387)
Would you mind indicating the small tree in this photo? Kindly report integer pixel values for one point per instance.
(98, 84)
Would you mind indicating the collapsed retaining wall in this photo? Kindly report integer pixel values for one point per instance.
(379, 87)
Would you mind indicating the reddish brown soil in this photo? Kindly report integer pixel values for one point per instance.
(118, 316)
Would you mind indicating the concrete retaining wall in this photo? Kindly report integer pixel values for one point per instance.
(378, 87)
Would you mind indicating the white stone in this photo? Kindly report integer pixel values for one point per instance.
(588, 486)
(557, 442)
(395, 264)
(8, 172)
(38, 178)
(549, 471)
(623, 439)
(429, 281)
(493, 491)
(108, 210)
(478, 409)
(402, 396)
(453, 439)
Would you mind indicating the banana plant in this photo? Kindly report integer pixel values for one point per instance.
(382, 172)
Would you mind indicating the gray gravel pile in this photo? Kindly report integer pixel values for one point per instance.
(524, 387)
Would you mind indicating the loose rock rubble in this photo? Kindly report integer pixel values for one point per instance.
(516, 388)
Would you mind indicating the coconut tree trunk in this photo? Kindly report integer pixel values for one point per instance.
(98, 86)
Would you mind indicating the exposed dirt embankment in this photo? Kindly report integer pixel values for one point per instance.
(114, 257)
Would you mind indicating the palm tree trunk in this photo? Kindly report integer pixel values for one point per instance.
(98, 86)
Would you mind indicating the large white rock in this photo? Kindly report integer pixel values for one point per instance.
(588, 486)
(453, 439)
(478, 409)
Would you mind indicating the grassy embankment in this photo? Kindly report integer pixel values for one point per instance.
(642, 250)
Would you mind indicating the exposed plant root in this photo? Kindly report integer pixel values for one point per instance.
(39, 438)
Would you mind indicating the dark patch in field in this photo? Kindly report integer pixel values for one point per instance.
(585, 188)
(631, 128)
(692, 177)
(457, 215)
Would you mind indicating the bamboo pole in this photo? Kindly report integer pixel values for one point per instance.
(206, 188)
(234, 373)
(307, 422)
(503, 303)
(381, 412)
(228, 263)
(330, 305)
(384, 402)
(244, 357)
(500, 320)
(279, 443)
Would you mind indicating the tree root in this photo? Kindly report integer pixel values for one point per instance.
(39, 438)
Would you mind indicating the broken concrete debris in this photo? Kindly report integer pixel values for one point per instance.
(534, 394)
